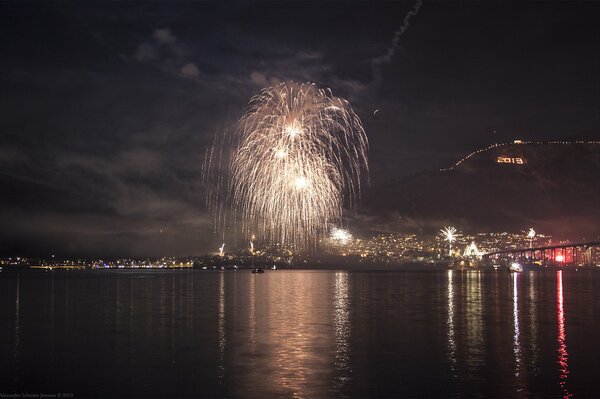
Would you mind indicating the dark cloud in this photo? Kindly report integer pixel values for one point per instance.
(164, 36)
(190, 71)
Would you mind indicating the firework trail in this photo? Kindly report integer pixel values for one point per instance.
(299, 155)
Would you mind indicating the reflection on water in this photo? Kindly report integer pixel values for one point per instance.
(297, 336)
(300, 334)
(563, 355)
(342, 329)
(450, 323)
(221, 327)
(474, 320)
(17, 338)
(533, 321)
(252, 312)
(516, 334)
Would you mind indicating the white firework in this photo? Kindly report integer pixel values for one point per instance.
(531, 235)
(449, 234)
(340, 236)
(299, 156)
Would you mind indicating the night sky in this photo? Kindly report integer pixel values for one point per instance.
(106, 109)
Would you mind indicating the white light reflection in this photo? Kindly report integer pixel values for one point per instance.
(52, 304)
(173, 299)
(252, 314)
(342, 328)
(533, 323)
(17, 331)
(221, 327)
(516, 335)
(563, 355)
(451, 339)
(475, 345)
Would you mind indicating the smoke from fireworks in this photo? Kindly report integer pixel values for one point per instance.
(376, 63)
(299, 155)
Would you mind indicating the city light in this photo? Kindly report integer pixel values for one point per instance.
(471, 250)
(510, 160)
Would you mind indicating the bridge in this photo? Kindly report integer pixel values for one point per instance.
(560, 254)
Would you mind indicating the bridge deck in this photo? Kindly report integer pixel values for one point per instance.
(561, 246)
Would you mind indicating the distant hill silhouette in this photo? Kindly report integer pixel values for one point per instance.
(554, 187)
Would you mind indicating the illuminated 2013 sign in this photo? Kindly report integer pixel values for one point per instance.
(517, 161)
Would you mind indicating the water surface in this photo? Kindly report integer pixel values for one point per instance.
(304, 334)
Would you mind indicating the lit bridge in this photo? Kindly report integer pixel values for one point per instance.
(563, 254)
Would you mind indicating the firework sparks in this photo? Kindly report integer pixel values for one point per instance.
(531, 235)
(299, 156)
(340, 235)
(449, 234)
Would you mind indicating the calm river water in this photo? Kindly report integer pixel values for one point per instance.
(301, 334)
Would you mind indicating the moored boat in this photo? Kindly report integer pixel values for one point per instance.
(515, 268)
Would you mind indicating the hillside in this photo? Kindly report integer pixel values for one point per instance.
(553, 186)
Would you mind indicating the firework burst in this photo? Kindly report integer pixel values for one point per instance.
(531, 235)
(449, 234)
(299, 155)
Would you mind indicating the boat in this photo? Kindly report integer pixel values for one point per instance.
(515, 268)
(257, 270)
